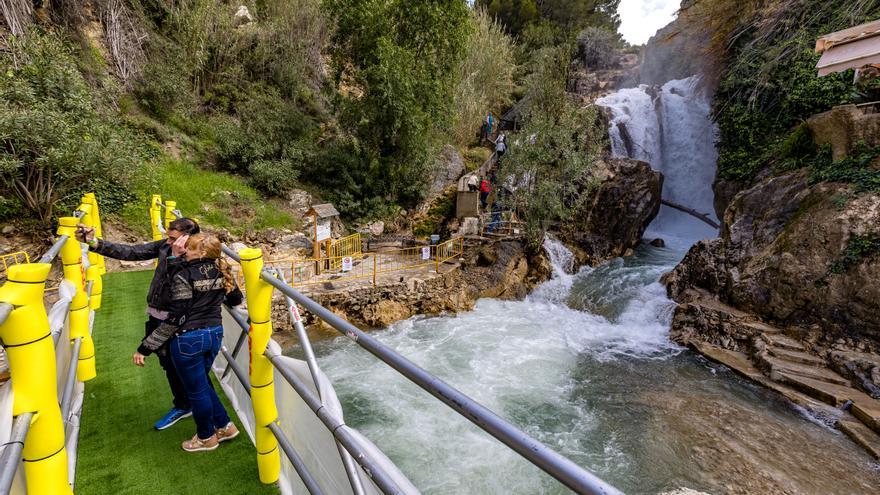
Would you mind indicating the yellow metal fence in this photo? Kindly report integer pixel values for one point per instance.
(16, 258)
(346, 246)
(311, 271)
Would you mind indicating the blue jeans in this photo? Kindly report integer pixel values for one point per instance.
(192, 354)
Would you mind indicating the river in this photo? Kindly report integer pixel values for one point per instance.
(584, 364)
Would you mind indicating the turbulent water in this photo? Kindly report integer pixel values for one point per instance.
(670, 128)
(585, 365)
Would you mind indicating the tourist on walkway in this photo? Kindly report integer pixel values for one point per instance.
(473, 182)
(490, 122)
(485, 190)
(500, 146)
(158, 296)
(194, 329)
(484, 132)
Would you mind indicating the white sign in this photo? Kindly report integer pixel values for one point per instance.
(323, 231)
(426, 253)
(347, 264)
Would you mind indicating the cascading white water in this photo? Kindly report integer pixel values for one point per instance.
(670, 128)
(584, 365)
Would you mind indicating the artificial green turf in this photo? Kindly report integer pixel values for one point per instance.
(119, 451)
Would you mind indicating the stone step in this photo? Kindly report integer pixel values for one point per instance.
(761, 328)
(775, 365)
(796, 356)
(782, 342)
(867, 410)
(861, 434)
(741, 364)
(830, 393)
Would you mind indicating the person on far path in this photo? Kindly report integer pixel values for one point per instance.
(490, 122)
(500, 147)
(484, 135)
(194, 330)
(485, 190)
(472, 183)
(158, 296)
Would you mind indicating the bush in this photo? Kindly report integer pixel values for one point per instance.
(55, 144)
(598, 48)
(485, 78)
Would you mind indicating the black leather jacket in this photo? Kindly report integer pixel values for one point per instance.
(197, 291)
(158, 296)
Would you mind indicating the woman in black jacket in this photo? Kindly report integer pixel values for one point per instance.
(194, 333)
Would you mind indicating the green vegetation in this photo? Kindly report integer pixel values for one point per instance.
(403, 57)
(769, 84)
(119, 451)
(567, 140)
(55, 141)
(219, 199)
(442, 209)
(527, 17)
(856, 169)
(858, 248)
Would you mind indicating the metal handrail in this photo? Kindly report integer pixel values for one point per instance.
(297, 462)
(347, 462)
(382, 480)
(9, 459)
(545, 458)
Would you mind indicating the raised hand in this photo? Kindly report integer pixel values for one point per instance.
(84, 233)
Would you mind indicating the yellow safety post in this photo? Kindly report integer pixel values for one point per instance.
(95, 258)
(259, 302)
(71, 257)
(169, 213)
(156, 217)
(31, 356)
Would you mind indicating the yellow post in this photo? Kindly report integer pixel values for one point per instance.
(259, 302)
(95, 258)
(375, 257)
(169, 213)
(156, 217)
(93, 275)
(71, 257)
(31, 356)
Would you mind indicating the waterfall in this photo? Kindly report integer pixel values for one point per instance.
(670, 128)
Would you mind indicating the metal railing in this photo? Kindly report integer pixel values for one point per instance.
(346, 246)
(556, 465)
(15, 258)
(551, 462)
(12, 450)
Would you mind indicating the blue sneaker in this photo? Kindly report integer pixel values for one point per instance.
(173, 416)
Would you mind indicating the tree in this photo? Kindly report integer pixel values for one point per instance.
(567, 15)
(560, 142)
(399, 61)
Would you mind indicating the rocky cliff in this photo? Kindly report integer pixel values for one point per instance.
(626, 198)
(788, 253)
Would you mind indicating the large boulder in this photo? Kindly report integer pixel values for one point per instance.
(448, 168)
(786, 254)
(625, 200)
(843, 127)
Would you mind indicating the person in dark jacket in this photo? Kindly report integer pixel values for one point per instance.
(158, 297)
(194, 332)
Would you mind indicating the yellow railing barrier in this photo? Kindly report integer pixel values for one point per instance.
(13, 259)
(71, 257)
(312, 271)
(259, 305)
(31, 355)
(170, 206)
(156, 217)
(346, 246)
(95, 259)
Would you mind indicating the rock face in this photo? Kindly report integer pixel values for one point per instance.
(449, 167)
(626, 199)
(844, 126)
(779, 257)
(677, 51)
